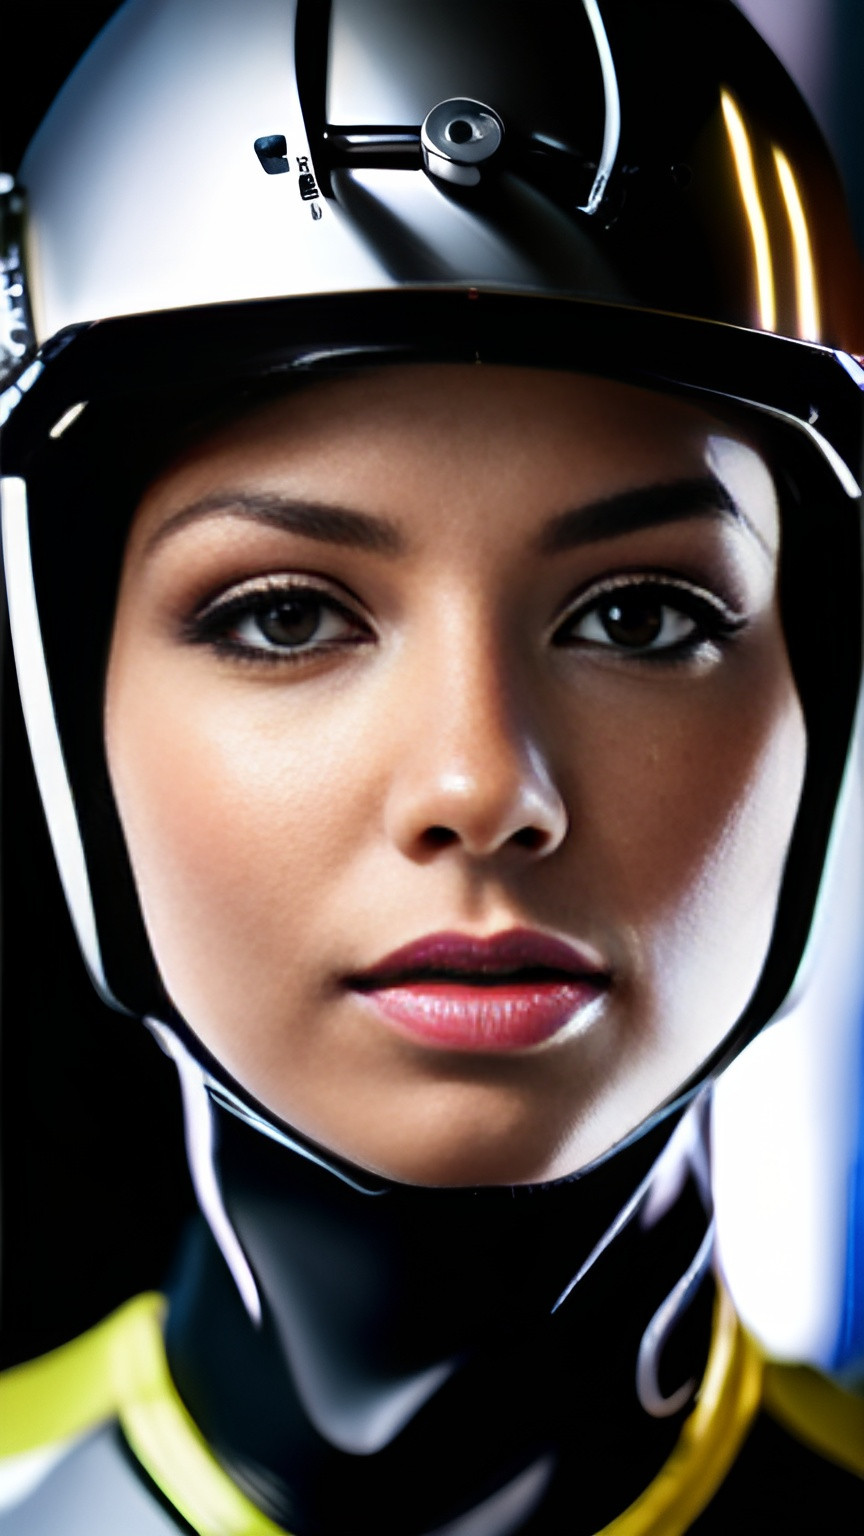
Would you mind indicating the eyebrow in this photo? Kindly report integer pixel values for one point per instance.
(647, 506)
(313, 520)
(613, 517)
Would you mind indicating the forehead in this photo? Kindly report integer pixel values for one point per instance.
(463, 440)
(465, 407)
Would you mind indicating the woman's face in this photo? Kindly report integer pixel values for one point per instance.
(457, 751)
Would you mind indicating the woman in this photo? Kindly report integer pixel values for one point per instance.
(446, 767)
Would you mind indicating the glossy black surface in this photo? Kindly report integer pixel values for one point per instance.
(410, 1365)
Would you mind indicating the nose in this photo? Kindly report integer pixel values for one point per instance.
(473, 774)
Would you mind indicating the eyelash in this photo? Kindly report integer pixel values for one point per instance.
(214, 624)
(711, 619)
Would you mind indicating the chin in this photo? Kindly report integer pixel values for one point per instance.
(463, 1144)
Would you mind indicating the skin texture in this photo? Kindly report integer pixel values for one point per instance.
(452, 755)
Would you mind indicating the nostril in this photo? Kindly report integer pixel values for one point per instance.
(532, 838)
(440, 837)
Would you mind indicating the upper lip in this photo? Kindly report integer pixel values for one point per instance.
(445, 956)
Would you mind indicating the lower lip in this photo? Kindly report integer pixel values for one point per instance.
(505, 1018)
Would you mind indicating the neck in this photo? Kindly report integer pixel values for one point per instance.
(412, 1367)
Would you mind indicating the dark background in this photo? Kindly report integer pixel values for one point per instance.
(94, 1183)
(92, 1172)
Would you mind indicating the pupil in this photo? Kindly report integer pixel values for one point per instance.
(290, 621)
(633, 621)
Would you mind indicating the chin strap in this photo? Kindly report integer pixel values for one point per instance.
(200, 1151)
(685, 1155)
(658, 1331)
(236, 1107)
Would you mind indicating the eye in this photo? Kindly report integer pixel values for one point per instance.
(647, 617)
(278, 621)
(291, 621)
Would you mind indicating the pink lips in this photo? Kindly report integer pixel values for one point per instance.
(507, 992)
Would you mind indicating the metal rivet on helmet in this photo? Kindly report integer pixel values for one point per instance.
(458, 137)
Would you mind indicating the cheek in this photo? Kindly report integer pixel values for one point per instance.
(705, 809)
(238, 820)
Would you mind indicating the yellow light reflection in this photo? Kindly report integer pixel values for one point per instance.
(742, 153)
(809, 323)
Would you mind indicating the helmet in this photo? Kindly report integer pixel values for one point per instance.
(229, 196)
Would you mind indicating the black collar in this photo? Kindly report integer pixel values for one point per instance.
(411, 1369)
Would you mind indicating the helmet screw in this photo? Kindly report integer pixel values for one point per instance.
(272, 151)
(458, 137)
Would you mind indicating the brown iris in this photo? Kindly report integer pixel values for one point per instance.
(290, 620)
(632, 619)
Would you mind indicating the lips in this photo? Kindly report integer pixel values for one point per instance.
(506, 992)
